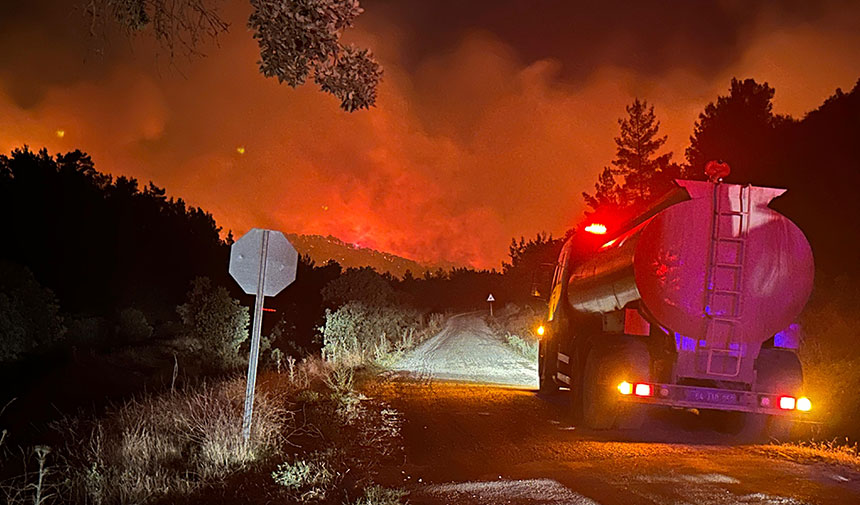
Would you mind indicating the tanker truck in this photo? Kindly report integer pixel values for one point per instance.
(692, 305)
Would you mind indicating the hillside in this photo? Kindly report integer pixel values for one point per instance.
(321, 249)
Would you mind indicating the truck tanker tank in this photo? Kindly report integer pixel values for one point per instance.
(719, 265)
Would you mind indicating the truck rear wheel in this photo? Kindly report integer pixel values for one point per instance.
(777, 371)
(605, 367)
(547, 366)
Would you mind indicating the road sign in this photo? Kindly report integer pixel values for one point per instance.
(490, 298)
(263, 262)
(280, 263)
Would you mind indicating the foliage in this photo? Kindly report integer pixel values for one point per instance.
(526, 347)
(739, 128)
(307, 478)
(217, 322)
(133, 326)
(644, 173)
(303, 36)
(531, 266)
(168, 444)
(103, 244)
(178, 25)
(357, 334)
(518, 324)
(362, 285)
(29, 314)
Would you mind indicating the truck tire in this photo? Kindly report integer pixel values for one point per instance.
(777, 371)
(606, 366)
(547, 366)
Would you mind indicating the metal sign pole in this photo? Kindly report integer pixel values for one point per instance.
(255, 340)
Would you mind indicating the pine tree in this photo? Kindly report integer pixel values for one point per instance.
(636, 158)
(638, 174)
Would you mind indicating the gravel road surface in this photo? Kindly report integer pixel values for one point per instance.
(476, 432)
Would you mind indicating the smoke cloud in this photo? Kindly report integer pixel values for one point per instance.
(491, 120)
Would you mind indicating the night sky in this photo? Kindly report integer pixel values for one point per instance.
(492, 118)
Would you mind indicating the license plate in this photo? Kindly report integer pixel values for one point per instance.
(706, 396)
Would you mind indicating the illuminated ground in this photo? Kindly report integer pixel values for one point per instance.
(467, 351)
(471, 443)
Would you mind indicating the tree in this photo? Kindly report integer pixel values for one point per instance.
(642, 173)
(740, 129)
(217, 323)
(608, 195)
(636, 157)
(29, 314)
(296, 38)
(531, 264)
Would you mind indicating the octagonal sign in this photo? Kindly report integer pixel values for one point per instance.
(261, 247)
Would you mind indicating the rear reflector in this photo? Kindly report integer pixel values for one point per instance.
(625, 388)
(786, 402)
(803, 404)
(642, 390)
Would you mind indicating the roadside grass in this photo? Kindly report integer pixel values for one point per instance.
(835, 452)
(315, 437)
(518, 325)
(167, 445)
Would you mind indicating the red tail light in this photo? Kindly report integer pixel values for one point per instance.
(787, 402)
(642, 390)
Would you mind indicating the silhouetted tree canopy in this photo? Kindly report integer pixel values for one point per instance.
(297, 39)
(739, 128)
(639, 174)
(103, 244)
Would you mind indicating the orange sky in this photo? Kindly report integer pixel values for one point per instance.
(470, 144)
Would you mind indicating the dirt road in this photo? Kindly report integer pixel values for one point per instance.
(476, 432)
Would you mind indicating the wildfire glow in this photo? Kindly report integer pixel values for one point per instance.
(596, 228)
(541, 330)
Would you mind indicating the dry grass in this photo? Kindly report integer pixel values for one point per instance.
(169, 444)
(831, 452)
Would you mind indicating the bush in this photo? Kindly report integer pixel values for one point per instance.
(133, 326)
(217, 322)
(363, 285)
(29, 314)
(309, 477)
(518, 325)
(526, 348)
(357, 334)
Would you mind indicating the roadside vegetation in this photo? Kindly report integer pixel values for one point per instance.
(518, 324)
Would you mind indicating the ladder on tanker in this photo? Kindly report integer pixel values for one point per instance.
(723, 298)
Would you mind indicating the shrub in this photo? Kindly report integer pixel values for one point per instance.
(29, 314)
(357, 334)
(364, 285)
(526, 348)
(218, 322)
(309, 477)
(133, 326)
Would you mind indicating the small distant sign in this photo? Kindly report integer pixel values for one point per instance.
(490, 298)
